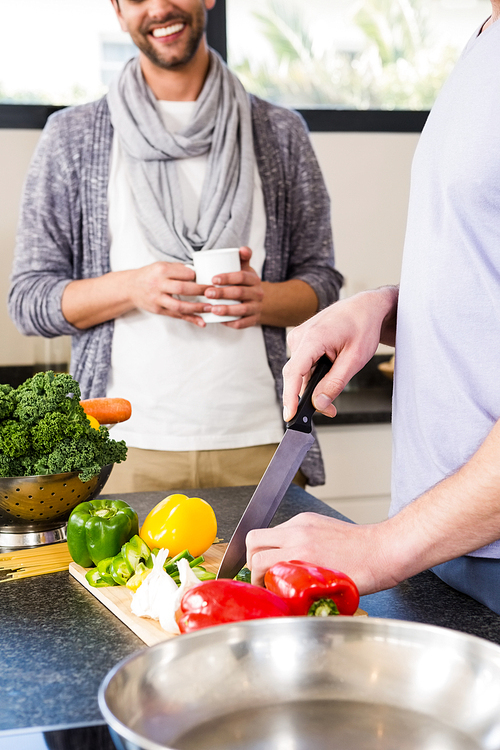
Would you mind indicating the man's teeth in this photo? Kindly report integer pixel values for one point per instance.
(168, 30)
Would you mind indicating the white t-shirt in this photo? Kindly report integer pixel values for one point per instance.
(191, 388)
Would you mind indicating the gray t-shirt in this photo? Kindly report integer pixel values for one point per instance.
(447, 378)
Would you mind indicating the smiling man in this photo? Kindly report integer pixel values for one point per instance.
(177, 159)
(171, 41)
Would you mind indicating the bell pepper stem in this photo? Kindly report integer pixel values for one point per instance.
(105, 513)
(323, 608)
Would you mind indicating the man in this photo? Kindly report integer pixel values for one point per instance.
(445, 511)
(176, 159)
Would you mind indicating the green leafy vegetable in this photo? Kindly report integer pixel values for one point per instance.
(44, 430)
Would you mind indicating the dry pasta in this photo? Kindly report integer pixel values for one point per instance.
(36, 561)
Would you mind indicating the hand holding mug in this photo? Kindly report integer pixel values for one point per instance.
(166, 288)
(221, 263)
(241, 288)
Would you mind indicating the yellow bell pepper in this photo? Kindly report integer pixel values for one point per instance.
(93, 422)
(139, 577)
(179, 522)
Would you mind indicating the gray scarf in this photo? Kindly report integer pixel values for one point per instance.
(222, 127)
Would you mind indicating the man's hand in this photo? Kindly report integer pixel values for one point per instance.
(245, 286)
(156, 288)
(349, 332)
(325, 541)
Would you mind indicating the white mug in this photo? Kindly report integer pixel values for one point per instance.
(210, 263)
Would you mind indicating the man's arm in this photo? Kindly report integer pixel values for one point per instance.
(88, 302)
(456, 516)
(288, 303)
(47, 235)
(280, 304)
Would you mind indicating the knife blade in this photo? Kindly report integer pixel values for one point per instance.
(278, 476)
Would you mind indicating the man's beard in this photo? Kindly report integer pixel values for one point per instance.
(196, 25)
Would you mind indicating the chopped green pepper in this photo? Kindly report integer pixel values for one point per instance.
(202, 574)
(104, 568)
(98, 529)
(170, 566)
(95, 579)
(120, 570)
(244, 575)
(136, 551)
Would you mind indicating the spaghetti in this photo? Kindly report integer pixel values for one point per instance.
(36, 561)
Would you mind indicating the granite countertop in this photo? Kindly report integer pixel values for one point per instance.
(58, 642)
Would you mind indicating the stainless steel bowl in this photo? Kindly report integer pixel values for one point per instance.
(308, 683)
(34, 510)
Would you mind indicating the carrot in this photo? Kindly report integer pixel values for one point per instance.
(107, 410)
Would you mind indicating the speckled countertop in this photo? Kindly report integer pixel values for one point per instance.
(57, 642)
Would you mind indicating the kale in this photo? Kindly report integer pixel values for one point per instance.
(54, 427)
(87, 453)
(44, 430)
(46, 393)
(7, 400)
(15, 438)
(11, 467)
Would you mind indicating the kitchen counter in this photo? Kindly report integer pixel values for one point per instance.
(360, 406)
(367, 398)
(58, 642)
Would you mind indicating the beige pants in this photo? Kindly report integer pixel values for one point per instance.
(148, 470)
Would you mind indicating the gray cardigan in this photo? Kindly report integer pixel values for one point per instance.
(63, 232)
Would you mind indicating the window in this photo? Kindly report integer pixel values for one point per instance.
(114, 55)
(59, 52)
(346, 64)
(349, 54)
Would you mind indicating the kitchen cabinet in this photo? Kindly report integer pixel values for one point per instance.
(358, 470)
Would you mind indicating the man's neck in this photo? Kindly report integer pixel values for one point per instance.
(182, 85)
(495, 13)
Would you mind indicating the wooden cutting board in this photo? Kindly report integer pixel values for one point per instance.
(117, 599)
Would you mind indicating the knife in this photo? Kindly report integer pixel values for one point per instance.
(278, 476)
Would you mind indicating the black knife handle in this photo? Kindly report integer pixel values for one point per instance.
(302, 421)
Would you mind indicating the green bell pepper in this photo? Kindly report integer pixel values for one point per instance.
(98, 529)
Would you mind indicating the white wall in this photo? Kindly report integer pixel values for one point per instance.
(367, 175)
(16, 148)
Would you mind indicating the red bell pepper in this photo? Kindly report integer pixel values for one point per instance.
(217, 602)
(311, 590)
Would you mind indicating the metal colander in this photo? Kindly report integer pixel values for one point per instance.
(43, 503)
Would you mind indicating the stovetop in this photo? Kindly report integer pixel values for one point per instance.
(93, 737)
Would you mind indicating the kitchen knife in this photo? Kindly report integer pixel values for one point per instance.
(278, 476)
